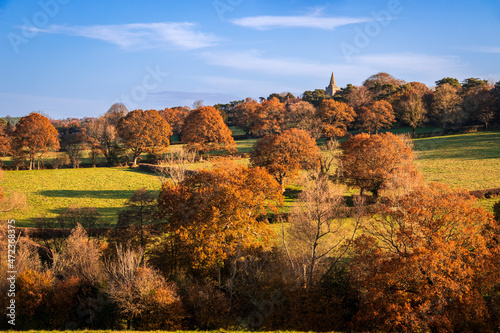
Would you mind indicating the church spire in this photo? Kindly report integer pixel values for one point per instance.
(332, 81)
(332, 87)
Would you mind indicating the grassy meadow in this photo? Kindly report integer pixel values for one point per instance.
(470, 161)
(48, 192)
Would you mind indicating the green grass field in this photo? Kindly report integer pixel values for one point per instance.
(48, 192)
(470, 161)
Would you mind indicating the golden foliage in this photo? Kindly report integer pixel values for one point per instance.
(214, 213)
(285, 154)
(376, 162)
(376, 116)
(336, 117)
(205, 130)
(424, 263)
(145, 131)
(34, 134)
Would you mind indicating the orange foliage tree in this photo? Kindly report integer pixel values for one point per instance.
(375, 162)
(424, 264)
(205, 130)
(270, 117)
(246, 115)
(144, 131)
(303, 115)
(285, 154)
(376, 116)
(214, 214)
(5, 140)
(336, 117)
(34, 134)
(175, 118)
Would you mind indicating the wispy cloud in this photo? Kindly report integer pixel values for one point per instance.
(423, 67)
(141, 35)
(252, 60)
(303, 21)
(410, 62)
(486, 49)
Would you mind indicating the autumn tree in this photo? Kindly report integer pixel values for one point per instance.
(34, 135)
(376, 162)
(270, 117)
(175, 118)
(447, 106)
(376, 116)
(5, 139)
(245, 115)
(214, 214)
(144, 131)
(354, 96)
(336, 118)
(423, 264)
(283, 155)
(478, 103)
(205, 130)
(303, 115)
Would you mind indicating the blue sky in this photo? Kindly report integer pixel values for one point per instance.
(72, 58)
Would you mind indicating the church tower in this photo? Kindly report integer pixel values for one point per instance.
(332, 88)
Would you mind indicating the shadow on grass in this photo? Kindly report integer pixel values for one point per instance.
(106, 213)
(111, 194)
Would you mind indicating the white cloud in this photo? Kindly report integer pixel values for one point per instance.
(141, 35)
(305, 21)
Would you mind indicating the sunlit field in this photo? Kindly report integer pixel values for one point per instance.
(469, 161)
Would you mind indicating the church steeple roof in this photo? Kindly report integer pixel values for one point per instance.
(332, 87)
(332, 81)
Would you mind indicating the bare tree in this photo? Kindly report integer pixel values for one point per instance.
(176, 164)
(81, 258)
(141, 293)
(319, 233)
(141, 210)
(330, 157)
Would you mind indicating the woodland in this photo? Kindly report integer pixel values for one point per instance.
(308, 213)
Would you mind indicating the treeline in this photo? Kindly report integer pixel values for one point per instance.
(402, 256)
(120, 136)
